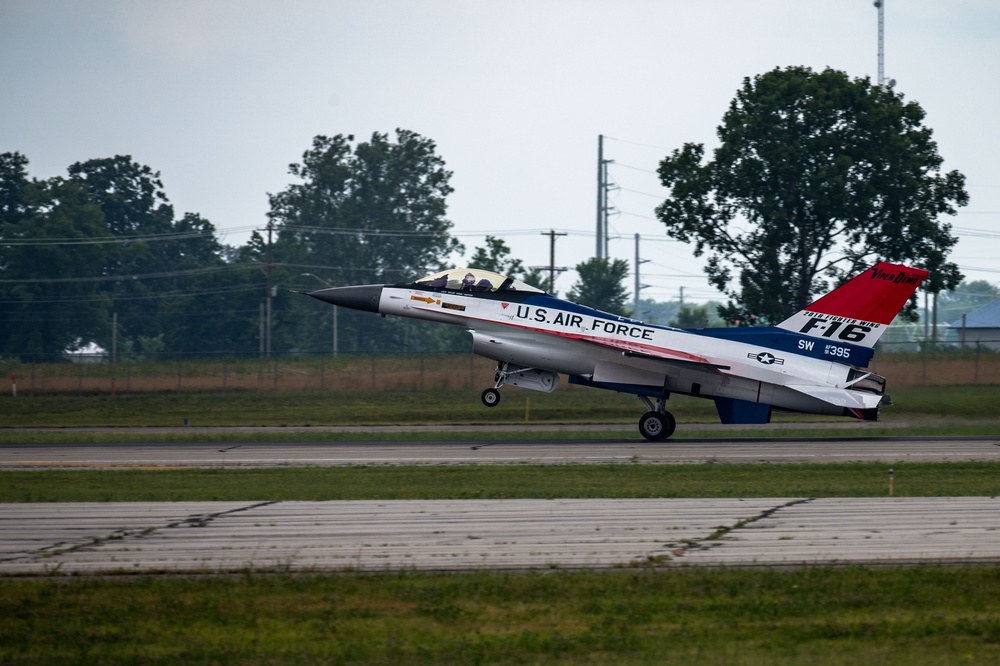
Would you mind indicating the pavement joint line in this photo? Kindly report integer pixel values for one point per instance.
(691, 545)
(202, 520)
(194, 520)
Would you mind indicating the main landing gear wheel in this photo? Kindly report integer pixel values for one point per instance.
(656, 426)
(491, 397)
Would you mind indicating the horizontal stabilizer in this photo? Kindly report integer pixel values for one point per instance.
(840, 397)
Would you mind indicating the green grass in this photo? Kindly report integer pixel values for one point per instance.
(321, 408)
(817, 616)
(927, 410)
(502, 481)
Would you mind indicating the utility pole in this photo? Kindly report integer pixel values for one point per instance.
(599, 252)
(270, 286)
(552, 268)
(639, 286)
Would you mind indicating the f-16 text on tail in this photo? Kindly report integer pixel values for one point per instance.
(811, 362)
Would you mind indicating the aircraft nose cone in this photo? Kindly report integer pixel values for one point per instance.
(363, 297)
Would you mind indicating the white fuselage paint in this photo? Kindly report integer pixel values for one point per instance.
(625, 351)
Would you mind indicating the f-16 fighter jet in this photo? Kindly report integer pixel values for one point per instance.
(813, 362)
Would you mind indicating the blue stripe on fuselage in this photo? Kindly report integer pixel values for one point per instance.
(773, 338)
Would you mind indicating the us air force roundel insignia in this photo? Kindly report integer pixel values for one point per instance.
(767, 358)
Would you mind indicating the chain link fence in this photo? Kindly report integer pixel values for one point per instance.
(185, 374)
(397, 372)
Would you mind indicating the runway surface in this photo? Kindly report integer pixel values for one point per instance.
(455, 535)
(512, 451)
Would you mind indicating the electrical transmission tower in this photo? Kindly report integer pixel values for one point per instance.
(604, 210)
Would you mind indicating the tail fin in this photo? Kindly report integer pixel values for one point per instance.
(860, 311)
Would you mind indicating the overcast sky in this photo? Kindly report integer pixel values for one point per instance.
(220, 96)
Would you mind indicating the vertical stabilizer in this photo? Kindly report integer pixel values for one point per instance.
(860, 311)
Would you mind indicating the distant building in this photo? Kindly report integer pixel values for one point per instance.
(980, 327)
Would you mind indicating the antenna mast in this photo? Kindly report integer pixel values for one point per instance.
(880, 4)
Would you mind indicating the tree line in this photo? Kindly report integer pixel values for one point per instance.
(99, 257)
(816, 176)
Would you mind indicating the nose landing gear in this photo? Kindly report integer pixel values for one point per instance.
(491, 396)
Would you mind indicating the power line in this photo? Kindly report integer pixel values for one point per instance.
(136, 276)
(116, 299)
(119, 240)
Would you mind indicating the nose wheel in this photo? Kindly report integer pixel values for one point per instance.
(491, 397)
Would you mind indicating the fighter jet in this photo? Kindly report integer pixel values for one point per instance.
(813, 362)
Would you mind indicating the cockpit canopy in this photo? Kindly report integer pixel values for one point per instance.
(474, 280)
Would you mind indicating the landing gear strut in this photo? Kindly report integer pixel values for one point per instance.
(657, 423)
(491, 396)
(535, 379)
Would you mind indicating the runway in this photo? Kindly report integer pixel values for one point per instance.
(510, 451)
(457, 535)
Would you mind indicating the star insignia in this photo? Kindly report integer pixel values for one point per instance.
(767, 358)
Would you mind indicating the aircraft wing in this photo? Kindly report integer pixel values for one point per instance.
(662, 354)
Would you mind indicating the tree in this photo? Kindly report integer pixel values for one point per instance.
(171, 288)
(50, 257)
(215, 307)
(14, 184)
(103, 241)
(368, 213)
(495, 256)
(692, 316)
(600, 285)
(135, 209)
(816, 177)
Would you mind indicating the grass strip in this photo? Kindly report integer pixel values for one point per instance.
(939, 428)
(573, 405)
(970, 479)
(923, 615)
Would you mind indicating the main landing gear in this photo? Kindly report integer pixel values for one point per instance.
(657, 423)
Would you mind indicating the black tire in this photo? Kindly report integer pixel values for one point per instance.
(491, 397)
(656, 426)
